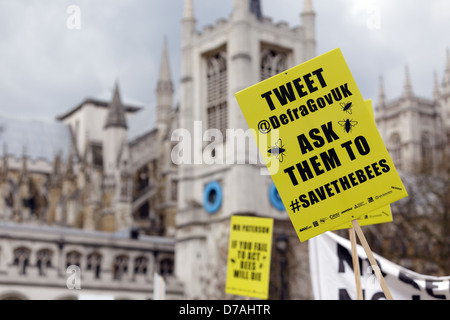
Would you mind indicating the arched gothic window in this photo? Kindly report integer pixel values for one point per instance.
(140, 265)
(426, 152)
(396, 150)
(44, 261)
(94, 262)
(22, 259)
(166, 267)
(120, 267)
(73, 258)
(217, 88)
(272, 63)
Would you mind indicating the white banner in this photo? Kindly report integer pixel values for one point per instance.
(332, 275)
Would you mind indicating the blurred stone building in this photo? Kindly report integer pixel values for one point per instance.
(217, 62)
(96, 190)
(99, 188)
(416, 131)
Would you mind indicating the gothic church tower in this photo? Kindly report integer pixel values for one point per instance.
(219, 181)
(415, 129)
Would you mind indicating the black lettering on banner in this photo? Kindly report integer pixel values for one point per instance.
(345, 256)
(286, 92)
(304, 200)
(378, 296)
(309, 83)
(268, 99)
(345, 91)
(304, 144)
(343, 294)
(299, 88)
(291, 174)
(328, 133)
(429, 286)
(251, 256)
(344, 183)
(304, 170)
(334, 187)
(361, 176)
(406, 279)
(329, 159)
(274, 122)
(318, 74)
(313, 198)
(318, 140)
(311, 105)
(384, 166)
(361, 145)
(316, 165)
(353, 179)
(349, 150)
(369, 172)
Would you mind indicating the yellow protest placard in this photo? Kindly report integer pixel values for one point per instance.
(381, 215)
(249, 253)
(320, 144)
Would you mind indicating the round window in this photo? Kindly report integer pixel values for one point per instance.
(275, 198)
(212, 197)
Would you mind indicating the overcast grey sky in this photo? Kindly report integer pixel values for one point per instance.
(46, 68)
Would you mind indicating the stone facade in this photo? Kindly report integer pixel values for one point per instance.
(105, 187)
(217, 62)
(37, 262)
(88, 182)
(416, 129)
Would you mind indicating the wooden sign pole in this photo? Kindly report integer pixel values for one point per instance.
(352, 235)
(372, 260)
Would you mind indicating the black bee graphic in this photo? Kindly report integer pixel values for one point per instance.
(278, 150)
(347, 107)
(347, 124)
(232, 260)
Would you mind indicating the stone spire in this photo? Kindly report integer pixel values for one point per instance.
(164, 89)
(241, 10)
(446, 80)
(165, 79)
(188, 13)
(116, 114)
(308, 7)
(4, 169)
(436, 93)
(381, 102)
(56, 176)
(23, 177)
(70, 172)
(447, 66)
(309, 29)
(188, 24)
(407, 88)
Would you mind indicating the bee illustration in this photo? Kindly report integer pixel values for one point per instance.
(232, 260)
(347, 124)
(278, 150)
(347, 107)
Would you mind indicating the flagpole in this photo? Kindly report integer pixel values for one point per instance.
(372, 260)
(352, 235)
